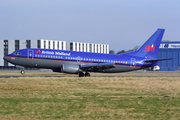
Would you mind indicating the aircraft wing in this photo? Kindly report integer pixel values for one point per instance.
(156, 60)
(97, 67)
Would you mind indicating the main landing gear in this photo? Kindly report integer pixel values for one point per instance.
(81, 74)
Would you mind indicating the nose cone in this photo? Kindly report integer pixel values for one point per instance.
(10, 59)
(5, 58)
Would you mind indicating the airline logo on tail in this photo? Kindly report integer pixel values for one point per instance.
(149, 48)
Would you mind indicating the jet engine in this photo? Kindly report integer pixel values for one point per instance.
(68, 68)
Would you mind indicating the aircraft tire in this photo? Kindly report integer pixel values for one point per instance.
(81, 74)
(87, 74)
(22, 72)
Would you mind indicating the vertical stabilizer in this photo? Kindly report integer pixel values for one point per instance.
(150, 48)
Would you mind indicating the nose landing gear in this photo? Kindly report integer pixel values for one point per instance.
(22, 72)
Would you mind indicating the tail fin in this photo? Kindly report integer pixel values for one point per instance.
(150, 48)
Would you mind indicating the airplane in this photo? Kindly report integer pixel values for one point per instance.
(82, 63)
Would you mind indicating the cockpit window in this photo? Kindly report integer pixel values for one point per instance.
(16, 53)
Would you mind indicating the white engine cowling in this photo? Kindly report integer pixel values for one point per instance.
(70, 68)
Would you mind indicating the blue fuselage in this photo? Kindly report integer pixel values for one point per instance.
(54, 59)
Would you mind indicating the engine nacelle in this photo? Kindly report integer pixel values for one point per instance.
(70, 68)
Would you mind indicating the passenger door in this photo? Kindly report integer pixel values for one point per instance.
(30, 54)
(133, 62)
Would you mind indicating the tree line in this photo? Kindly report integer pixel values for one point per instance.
(123, 51)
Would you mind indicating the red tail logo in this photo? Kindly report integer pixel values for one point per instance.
(149, 48)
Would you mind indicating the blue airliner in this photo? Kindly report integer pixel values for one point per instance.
(82, 62)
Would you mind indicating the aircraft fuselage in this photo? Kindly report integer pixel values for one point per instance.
(50, 59)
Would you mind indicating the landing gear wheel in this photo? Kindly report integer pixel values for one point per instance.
(22, 72)
(81, 74)
(87, 74)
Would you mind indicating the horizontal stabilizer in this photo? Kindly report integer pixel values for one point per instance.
(157, 60)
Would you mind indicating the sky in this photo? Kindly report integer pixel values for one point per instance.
(123, 24)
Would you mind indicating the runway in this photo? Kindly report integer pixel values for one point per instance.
(29, 73)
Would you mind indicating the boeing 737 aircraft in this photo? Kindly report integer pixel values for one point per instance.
(82, 62)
